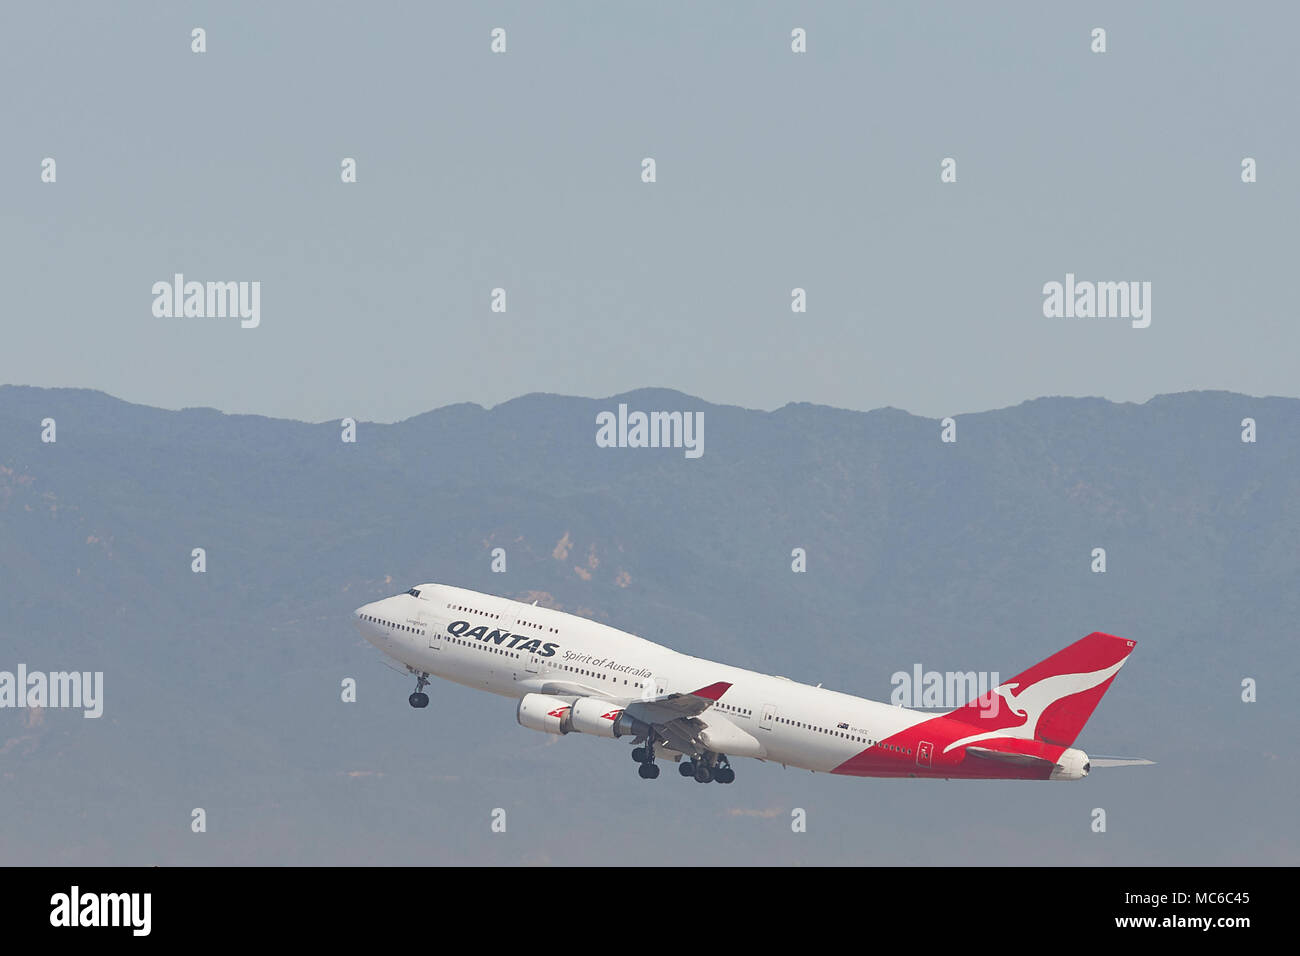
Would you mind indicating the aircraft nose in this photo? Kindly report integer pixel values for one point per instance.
(363, 617)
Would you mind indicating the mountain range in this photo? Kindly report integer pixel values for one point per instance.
(222, 689)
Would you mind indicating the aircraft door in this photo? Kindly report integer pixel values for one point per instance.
(433, 629)
(767, 717)
(924, 750)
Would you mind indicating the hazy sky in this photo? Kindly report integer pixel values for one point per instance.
(775, 170)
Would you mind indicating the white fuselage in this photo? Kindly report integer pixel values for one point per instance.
(525, 649)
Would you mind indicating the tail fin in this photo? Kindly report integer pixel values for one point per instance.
(1053, 699)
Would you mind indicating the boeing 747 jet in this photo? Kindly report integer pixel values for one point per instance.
(572, 675)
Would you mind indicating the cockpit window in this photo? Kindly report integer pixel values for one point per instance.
(414, 591)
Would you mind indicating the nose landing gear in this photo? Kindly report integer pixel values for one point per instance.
(419, 698)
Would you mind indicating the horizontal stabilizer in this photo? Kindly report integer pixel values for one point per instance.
(1120, 762)
(1002, 756)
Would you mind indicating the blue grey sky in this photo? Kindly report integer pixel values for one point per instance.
(775, 170)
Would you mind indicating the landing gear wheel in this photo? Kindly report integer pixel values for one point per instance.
(648, 771)
(686, 768)
(702, 773)
(725, 775)
(638, 754)
(420, 698)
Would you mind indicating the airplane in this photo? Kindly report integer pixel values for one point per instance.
(573, 675)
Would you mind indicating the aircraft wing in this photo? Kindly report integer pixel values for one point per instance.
(670, 707)
(674, 719)
(687, 724)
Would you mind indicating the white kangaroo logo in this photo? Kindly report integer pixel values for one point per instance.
(1036, 698)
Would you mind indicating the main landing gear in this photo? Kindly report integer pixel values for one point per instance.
(703, 767)
(708, 767)
(645, 756)
(420, 698)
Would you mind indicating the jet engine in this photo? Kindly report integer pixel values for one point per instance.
(627, 725)
(550, 715)
(591, 715)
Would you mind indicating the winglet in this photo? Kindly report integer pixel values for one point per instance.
(713, 691)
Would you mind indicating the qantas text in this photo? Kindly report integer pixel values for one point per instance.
(519, 642)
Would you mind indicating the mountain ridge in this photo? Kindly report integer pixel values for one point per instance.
(972, 555)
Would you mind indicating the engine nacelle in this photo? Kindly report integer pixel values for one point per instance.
(591, 715)
(550, 715)
(626, 725)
